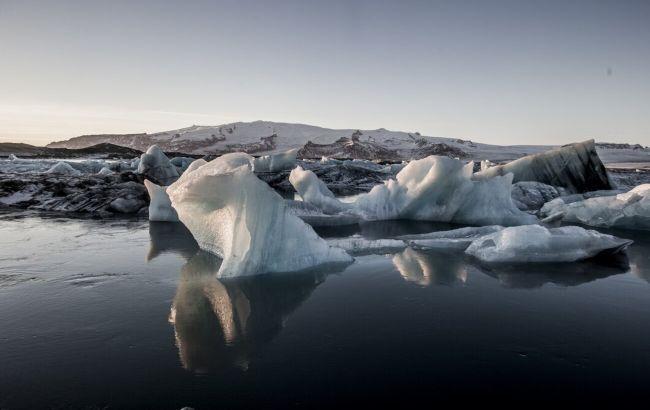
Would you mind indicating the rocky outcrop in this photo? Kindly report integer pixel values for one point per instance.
(89, 194)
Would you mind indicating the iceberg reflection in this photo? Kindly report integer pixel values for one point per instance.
(220, 323)
(426, 268)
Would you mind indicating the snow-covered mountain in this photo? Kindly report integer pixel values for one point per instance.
(264, 137)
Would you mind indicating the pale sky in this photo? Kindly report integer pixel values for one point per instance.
(505, 72)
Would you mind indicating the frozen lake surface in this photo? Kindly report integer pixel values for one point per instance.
(128, 314)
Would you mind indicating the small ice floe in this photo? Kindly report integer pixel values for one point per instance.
(534, 243)
(457, 239)
(276, 162)
(155, 164)
(630, 210)
(160, 207)
(105, 171)
(63, 168)
(357, 245)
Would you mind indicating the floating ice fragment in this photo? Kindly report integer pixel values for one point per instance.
(534, 243)
(63, 168)
(276, 162)
(160, 207)
(630, 210)
(357, 245)
(155, 164)
(105, 171)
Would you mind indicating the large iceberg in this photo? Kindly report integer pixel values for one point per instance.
(236, 216)
(630, 210)
(575, 167)
(534, 243)
(155, 165)
(433, 189)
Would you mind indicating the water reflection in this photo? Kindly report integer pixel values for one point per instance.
(426, 268)
(563, 274)
(220, 323)
(170, 237)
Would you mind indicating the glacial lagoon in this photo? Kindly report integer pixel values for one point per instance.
(129, 314)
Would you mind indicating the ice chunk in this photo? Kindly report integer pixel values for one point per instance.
(630, 210)
(357, 245)
(576, 167)
(433, 189)
(160, 207)
(456, 239)
(531, 196)
(276, 162)
(181, 163)
(314, 191)
(105, 171)
(155, 164)
(12, 157)
(63, 168)
(534, 243)
(236, 216)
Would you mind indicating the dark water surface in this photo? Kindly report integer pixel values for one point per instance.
(124, 314)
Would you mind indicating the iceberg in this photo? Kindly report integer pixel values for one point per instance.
(63, 168)
(456, 239)
(13, 157)
(575, 167)
(155, 165)
(276, 162)
(433, 189)
(314, 191)
(534, 243)
(105, 171)
(160, 207)
(357, 245)
(630, 210)
(236, 216)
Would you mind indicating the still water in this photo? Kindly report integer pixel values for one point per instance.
(128, 314)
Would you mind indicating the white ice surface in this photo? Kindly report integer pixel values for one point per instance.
(160, 207)
(276, 162)
(434, 189)
(534, 243)
(238, 217)
(630, 210)
(154, 163)
(63, 168)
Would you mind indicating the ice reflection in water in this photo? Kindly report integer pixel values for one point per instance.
(426, 268)
(221, 323)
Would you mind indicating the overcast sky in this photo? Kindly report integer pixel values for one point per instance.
(506, 72)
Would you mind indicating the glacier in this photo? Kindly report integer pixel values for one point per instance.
(629, 210)
(535, 243)
(235, 215)
(433, 189)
